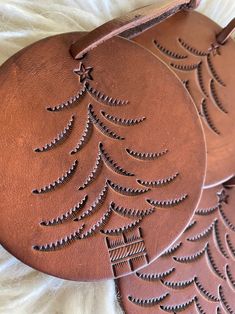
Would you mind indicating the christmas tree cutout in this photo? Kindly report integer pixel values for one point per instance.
(105, 124)
(197, 271)
(204, 64)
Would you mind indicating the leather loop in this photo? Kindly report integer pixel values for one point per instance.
(131, 24)
(194, 4)
(226, 32)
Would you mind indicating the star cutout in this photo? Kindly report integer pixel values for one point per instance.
(222, 197)
(215, 49)
(84, 73)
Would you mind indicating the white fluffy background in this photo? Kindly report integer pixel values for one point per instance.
(22, 289)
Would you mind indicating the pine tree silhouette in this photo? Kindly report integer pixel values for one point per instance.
(128, 246)
(204, 66)
(197, 272)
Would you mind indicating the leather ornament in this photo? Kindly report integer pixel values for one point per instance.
(196, 274)
(203, 56)
(102, 159)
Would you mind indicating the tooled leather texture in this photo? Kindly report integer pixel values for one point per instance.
(187, 43)
(196, 274)
(98, 158)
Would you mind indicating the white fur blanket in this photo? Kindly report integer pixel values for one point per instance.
(22, 289)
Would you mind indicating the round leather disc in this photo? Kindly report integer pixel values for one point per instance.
(196, 275)
(102, 159)
(187, 44)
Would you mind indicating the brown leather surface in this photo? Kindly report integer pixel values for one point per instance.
(187, 44)
(197, 274)
(81, 141)
(137, 20)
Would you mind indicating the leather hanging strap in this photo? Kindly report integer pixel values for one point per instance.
(226, 32)
(131, 24)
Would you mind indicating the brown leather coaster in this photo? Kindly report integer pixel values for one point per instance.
(195, 275)
(102, 159)
(187, 43)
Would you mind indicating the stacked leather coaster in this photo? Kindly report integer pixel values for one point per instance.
(196, 274)
(117, 158)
